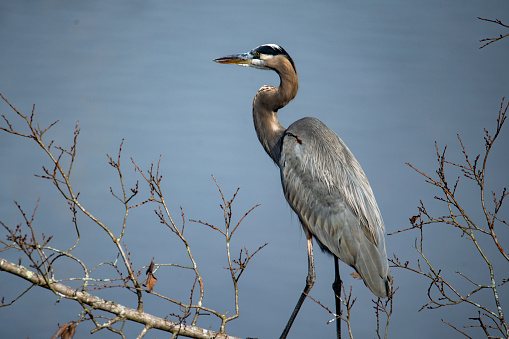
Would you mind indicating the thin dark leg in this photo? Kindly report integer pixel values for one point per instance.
(310, 280)
(336, 286)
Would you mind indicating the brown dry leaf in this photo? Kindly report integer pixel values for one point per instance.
(413, 219)
(150, 269)
(356, 275)
(66, 331)
(70, 331)
(151, 281)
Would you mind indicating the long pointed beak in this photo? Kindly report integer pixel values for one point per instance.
(243, 59)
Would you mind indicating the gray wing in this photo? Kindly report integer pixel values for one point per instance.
(325, 185)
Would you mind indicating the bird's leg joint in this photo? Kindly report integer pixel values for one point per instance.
(310, 280)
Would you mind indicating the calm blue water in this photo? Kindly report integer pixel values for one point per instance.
(390, 79)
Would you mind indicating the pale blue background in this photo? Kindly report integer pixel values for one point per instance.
(389, 77)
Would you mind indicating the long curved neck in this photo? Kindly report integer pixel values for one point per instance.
(267, 102)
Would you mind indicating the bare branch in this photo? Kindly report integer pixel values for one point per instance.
(107, 306)
(42, 257)
(466, 335)
(441, 292)
(492, 40)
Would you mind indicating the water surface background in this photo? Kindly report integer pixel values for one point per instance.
(389, 78)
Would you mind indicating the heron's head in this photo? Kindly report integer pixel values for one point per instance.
(268, 56)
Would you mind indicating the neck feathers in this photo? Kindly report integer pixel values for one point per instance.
(268, 101)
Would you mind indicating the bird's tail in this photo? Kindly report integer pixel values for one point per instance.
(370, 261)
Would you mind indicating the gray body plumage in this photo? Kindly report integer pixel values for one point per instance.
(325, 185)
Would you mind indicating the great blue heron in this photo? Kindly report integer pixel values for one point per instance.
(322, 181)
